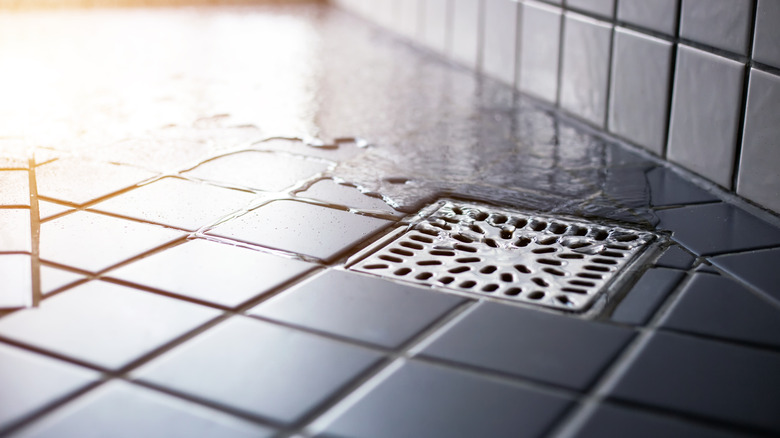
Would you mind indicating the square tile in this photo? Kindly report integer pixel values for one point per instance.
(668, 188)
(31, 381)
(724, 24)
(122, 410)
(585, 67)
(599, 7)
(258, 170)
(657, 15)
(260, 369)
(528, 343)
(611, 421)
(435, 29)
(705, 113)
(676, 258)
(499, 39)
(705, 378)
(465, 37)
(756, 268)
(98, 322)
(347, 195)
(717, 228)
(16, 286)
(647, 295)
(213, 272)
(766, 39)
(356, 306)
(716, 306)
(48, 209)
(94, 242)
(53, 278)
(420, 400)
(14, 187)
(758, 177)
(79, 181)
(639, 97)
(540, 36)
(15, 232)
(303, 228)
(177, 202)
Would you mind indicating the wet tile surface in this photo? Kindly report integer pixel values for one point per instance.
(301, 228)
(360, 307)
(15, 232)
(668, 188)
(14, 187)
(329, 191)
(758, 269)
(98, 323)
(510, 340)
(54, 278)
(426, 400)
(213, 272)
(676, 258)
(119, 409)
(15, 270)
(647, 295)
(230, 365)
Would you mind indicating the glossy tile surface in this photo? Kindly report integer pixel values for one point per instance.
(425, 400)
(599, 7)
(756, 268)
(676, 258)
(646, 296)
(53, 278)
(329, 191)
(639, 95)
(657, 15)
(759, 158)
(724, 24)
(705, 114)
(585, 67)
(302, 228)
(540, 35)
(499, 39)
(230, 365)
(355, 306)
(14, 187)
(69, 324)
(15, 232)
(16, 272)
(80, 181)
(213, 272)
(668, 188)
(465, 35)
(766, 39)
(49, 209)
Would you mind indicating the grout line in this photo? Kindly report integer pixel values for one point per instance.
(35, 235)
(672, 85)
(737, 157)
(559, 73)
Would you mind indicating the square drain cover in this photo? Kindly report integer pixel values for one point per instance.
(511, 255)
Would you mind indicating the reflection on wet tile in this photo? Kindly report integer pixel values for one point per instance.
(98, 322)
(757, 268)
(15, 281)
(647, 295)
(14, 187)
(302, 228)
(668, 188)
(259, 368)
(341, 194)
(420, 400)
(48, 209)
(31, 381)
(53, 278)
(356, 306)
(15, 230)
(677, 258)
(177, 203)
(258, 170)
(121, 410)
(80, 181)
(93, 241)
(212, 272)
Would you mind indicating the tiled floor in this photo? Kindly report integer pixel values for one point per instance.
(176, 239)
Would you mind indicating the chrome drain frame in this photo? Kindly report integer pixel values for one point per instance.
(559, 263)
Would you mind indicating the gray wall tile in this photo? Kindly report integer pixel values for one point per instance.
(464, 33)
(724, 24)
(638, 107)
(600, 7)
(705, 113)
(585, 67)
(436, 16)
(658, 15)
(759, 166)
(500, 39)
(540, 33)
(766, 43)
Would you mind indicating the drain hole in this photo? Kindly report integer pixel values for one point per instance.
(402, 271)
(543, 250)
(523, 242)
(422, 239)
(612, 254)
(480, 215)
(571, 256)
(523, 268)
(574, 290)
(465, 248)
(582, 283)
(605, 261)
(547, 241)
(550, 262)
(589, 275)
(444, 227)
(625, 237)
(450, 220)
(457, 210)
(558, 228)
(375, 266)
(520, 223)
(577, 245)
(536, 295)
(467, 260)
(490, 288)
(540, 282)
(477, 229)
(563, 299)
(506, 234)
(428, 232)
(538, 225)
(439, 252)
(468, 284)
(578, 231)
(446, 280)
(619, 247)
(596, 268)
(401, 252)
(554, 271)
(488, 269)
(491, 243)
(506, 277)
(411, 245)
(424, 276)
(499, 219)
(429, 263)
(459, 269)
(600, 235)
(462, 238)
(390, 259)
(513, 291)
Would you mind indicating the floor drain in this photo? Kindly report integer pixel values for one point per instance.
(553, 262)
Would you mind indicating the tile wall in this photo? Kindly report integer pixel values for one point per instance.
(696, 82)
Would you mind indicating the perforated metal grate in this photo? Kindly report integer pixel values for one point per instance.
(510, 255)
